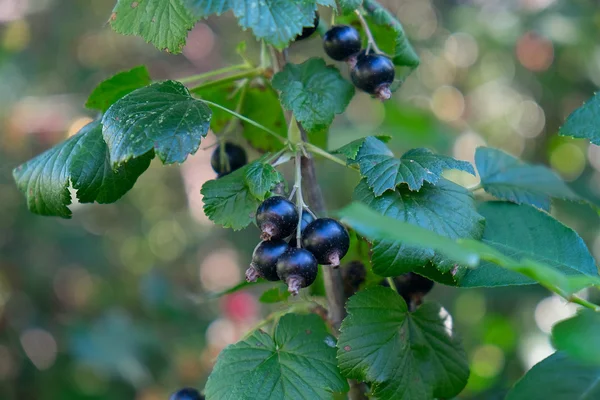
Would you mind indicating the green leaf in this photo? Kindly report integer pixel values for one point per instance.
(348, 6)
(117, 86)
(405, 356)
(507, 178)
(578, 337)
(275, 295)
(446, 209)
(523, 232)
(558, 377)
(204, 8)
(82, 160)
(350, 150)
(314, 91)
(384, 172)
(404, 53)
(262, 104)
(298, 362)
(164, 23)
(232, 200)
(584, 123)
(373, 225)
(162, 117)
(278, 22)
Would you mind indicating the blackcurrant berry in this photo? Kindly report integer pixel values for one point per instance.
(309, 30)
(276, 217)
(236, 159)
(412, 287)
(307, 218)
(327, 239)
(264, 260)
(186, 394)
(298, 268)
(374, 73)
(342, 42)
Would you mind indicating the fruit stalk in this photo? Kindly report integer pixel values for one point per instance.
(299, 199)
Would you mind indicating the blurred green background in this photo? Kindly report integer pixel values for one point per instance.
(115, 303)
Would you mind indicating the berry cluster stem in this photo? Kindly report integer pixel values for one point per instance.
(371, 43)
(299, 199)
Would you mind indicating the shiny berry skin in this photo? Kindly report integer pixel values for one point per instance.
(277, 218)
(236, 156)
(264, 260)
(186, 394)
(327, 239)
(298, 268)
(342, 42)
(374, 73)
(309, 30)
(307, 218)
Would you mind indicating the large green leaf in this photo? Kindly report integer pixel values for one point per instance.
(298, 362)
(558, 377)
(204, 8)
(262, 104)
(117, 86)
(384, 172)
(579, 337)
(404, 53)
(82, 160)
(314, 91)
(232, 200)
(277, 22)
(349, 6)
(508, 178)
(584, 123)
(446, 209)
(164, 23)
(162, 117)
(405, 356)
(523, 232)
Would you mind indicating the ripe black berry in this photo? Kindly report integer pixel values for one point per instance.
(374, 74)
(186, 394)
(298, 268)
(236, 159)
(309, 30)
(264, 260)
(276, 217)
(342, 42)
(307, 218)
(327, 239)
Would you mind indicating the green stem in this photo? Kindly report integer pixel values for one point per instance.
(370, 39)
(317, 150)
(475, 188)
(299, 199)
(392, 284)
(231, 68)
(245, 119)
(251, 73)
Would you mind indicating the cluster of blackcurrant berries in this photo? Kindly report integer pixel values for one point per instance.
(370, 72)
(235, 158)
(186, 394)
(280, 257)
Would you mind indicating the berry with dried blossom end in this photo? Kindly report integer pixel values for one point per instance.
(298, 268)
(277, 218)
(264, 260)
(327, 239)
(374, 74)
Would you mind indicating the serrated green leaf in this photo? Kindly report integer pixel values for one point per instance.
(373, 226)
(205, 8)
(82, 160)
(232, 200)
(314, 92)
(298, 362)
(523, 232)
(446, 209)
(405, 356)
(508, 178)
(584, 122)
(164, 23)
(558, 377)
(278, 22)
(383, 172)
(404, 53)
(117, 86)
(162, 117)
(262, 104)
(350, 150)
(578, 337)
(348, 6)
(275, 295)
